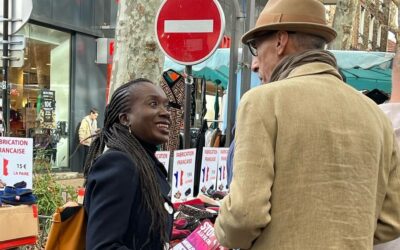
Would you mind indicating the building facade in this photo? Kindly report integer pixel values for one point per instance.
(375, 24)
(60, 80)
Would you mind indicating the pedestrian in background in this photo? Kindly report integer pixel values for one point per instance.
(126, 196)
(316, 162)
(87, 129)
(392, 110)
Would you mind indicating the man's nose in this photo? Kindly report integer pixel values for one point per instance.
(254, 65)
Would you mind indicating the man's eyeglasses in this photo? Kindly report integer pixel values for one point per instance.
(253, 43)
(252, 47)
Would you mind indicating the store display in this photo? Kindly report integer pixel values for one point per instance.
(202, 238)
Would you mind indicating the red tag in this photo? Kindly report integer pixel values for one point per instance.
(35, 211)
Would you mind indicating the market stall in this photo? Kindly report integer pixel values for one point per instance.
(364, 70)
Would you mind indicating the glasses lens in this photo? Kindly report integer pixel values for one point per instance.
(252, 47)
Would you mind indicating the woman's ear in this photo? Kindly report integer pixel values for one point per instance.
(123, 119)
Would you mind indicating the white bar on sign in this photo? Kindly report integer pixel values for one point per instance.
(188, 26)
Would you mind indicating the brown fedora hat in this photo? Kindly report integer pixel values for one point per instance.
(307, 16)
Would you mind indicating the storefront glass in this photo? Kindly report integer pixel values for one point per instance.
(39, 94)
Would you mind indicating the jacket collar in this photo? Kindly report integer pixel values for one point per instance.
(313, 69)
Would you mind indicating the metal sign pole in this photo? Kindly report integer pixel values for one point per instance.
(247, 58)
(6, 119)
(237, 18)
(186, 123)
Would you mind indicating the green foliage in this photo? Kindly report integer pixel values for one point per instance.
(48, 191)
(50, 194)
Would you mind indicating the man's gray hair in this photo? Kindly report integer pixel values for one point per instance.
(307, 41)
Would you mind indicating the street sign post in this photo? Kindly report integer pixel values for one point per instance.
(188, 32)
(16, 51)
(15, 14)
(19, 12)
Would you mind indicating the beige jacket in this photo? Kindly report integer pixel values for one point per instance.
(87, 128)
(316, 167)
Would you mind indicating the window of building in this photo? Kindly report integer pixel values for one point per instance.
(361, 26)
(40, 93)
(371, 32)
(381, 5)
(379, 37)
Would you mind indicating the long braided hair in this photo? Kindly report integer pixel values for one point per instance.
(117, 136)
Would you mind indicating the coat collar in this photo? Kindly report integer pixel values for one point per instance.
(313, 69)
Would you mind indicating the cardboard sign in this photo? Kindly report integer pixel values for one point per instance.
(16, 160)
(202, 238)
(183, 174)
(163, 157)
(209, 168)
(222, 178)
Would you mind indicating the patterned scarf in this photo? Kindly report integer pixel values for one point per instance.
(290, 62)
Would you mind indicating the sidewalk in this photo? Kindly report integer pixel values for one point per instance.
(70, 178)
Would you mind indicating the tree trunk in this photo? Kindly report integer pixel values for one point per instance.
(136, 51)
(398, 24)
(342, 22)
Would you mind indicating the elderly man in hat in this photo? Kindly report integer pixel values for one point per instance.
(316, 163)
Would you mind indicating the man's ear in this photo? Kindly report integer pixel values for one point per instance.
(282, 42)
(123, 119)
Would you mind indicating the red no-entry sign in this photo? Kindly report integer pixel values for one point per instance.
(189, 31)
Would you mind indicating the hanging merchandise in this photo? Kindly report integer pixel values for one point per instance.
(203, 97)
(193, 90)
(216, 105)
(173, 85)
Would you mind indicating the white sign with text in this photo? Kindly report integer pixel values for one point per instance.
(222, 177)
(209, 168)
(16, 160)
(183, 174)
(163, 157)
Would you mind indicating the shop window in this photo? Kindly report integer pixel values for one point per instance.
(381, 5)
(371, 32)
(39, 98)
(379, 37)
(361, 26)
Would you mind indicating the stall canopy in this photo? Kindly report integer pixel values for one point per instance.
(366, 70)
(360, 69)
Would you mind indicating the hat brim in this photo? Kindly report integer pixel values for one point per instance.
(327, 33)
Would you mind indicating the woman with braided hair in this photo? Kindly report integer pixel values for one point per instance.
(126, 196)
